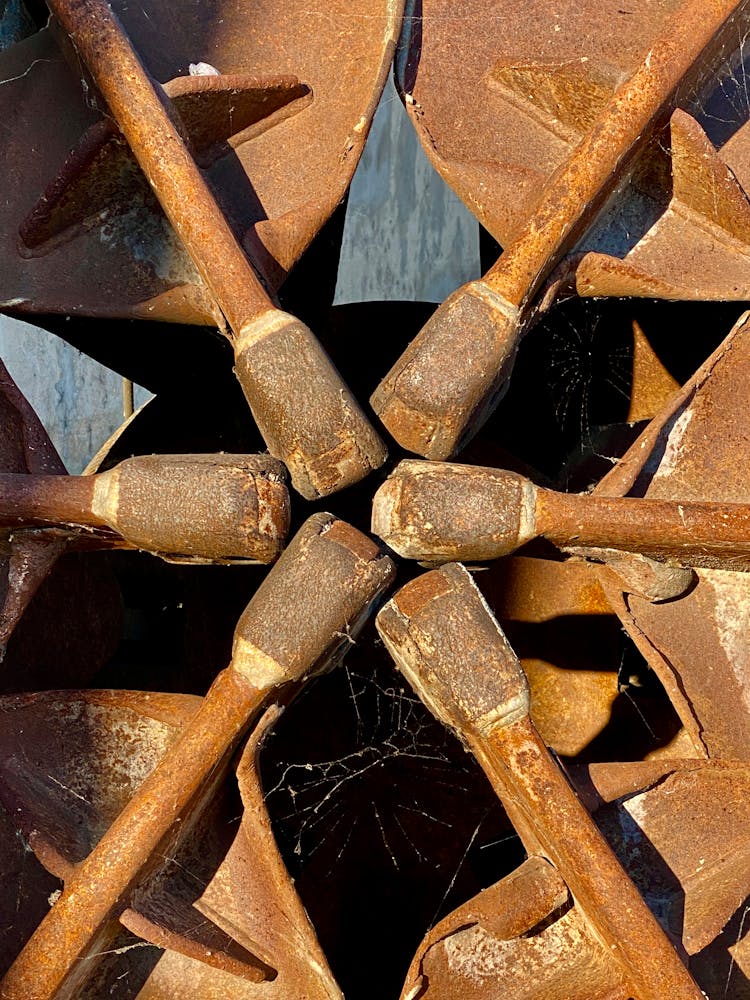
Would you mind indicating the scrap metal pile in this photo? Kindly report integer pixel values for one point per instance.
(166, 166)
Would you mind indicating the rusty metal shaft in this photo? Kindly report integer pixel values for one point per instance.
(28, 499)
(55, 961)
(429, 404)
(145, 116)
(441, 511)
(451, 650)
(291, 627)
(286, 376)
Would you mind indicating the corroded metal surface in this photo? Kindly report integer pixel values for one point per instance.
(176, 161)
(696, 447)
(281, 367)
(274, 205)
(209, 508)
(439, 511)
(73, 786)
(269, 652)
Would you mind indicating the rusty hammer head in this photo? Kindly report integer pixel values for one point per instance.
(311, 604)
(217, 508)
(449, 647)
(439, 511)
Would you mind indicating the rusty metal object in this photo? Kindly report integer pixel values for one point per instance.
(210, 508)
(66, 795)
(445, 641)
(677, 828)
(523, 937)
(695, 448)
(306, 414)
(428, 404)
(270, 651)
(129, 262)
(24, 448)
(438, 511)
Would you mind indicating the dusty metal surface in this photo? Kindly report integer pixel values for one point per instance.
(206, 508)
(440, 511)
(444, 639)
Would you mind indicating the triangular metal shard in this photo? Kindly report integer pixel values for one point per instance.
(24, 447)
(100, 178)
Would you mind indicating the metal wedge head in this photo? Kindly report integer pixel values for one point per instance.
(440, 511)
(214, 508)
(449, 647)
(312, 603)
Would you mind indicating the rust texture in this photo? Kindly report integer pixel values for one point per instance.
(52, 962)
(337, 448)
(440, 511)
(172, 163)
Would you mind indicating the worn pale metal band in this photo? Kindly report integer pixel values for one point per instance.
(106, 498)
(481, 290)
(527, 513)
(257, 667)
(261, 327)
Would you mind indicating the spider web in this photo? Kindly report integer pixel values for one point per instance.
(383, 818)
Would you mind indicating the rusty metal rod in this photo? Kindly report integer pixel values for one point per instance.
(291, 627)
(211, 507)
(442, 511)
(445, 641)
(307, 416)
(430, 402)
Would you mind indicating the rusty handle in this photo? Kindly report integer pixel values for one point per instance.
(284, 372)
(428, 403)
(448, 645)
(441, 511)
(36, 499)
(689, 533)
(145, 116)
(292, 626)
(521, 770)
